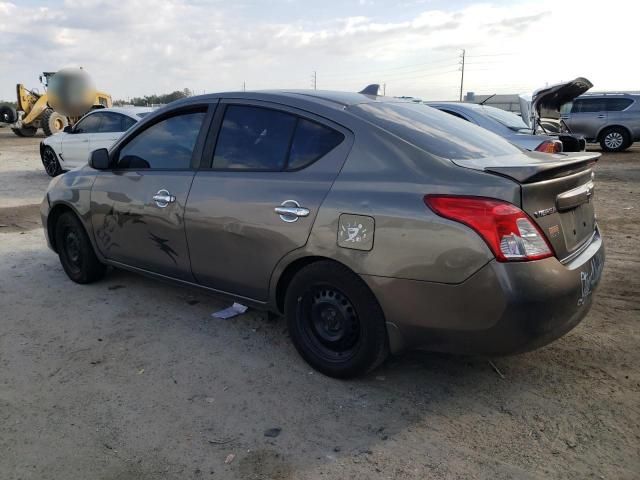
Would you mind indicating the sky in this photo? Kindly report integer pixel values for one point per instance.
(138, 47)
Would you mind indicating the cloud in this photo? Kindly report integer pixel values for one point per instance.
(152, 46)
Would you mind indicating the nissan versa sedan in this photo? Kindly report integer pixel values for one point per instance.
(374, 225)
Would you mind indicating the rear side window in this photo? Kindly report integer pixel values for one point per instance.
(167, 144)
(310, 142)
(435, 132)
(127, 123)
(617, 104)
(111, 122)
(257, 138)
(253, 138)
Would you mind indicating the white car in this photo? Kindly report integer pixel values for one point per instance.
(97, 129)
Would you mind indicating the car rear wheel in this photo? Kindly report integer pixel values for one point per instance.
(50, 162)
(76, 253)
(614, 140)
(334, 320)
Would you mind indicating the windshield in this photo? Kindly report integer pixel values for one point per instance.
(508, 119)
(434, 131)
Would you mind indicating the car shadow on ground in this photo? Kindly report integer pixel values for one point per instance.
(145, 356)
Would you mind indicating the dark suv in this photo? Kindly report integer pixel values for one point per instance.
(612, 119)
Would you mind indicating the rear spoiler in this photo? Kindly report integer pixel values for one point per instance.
(372, 89)
(546, 170)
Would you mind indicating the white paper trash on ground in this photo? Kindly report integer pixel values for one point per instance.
(232, 311)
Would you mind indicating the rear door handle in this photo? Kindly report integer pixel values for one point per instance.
(602, 116)
(290, 211)
(163, 198)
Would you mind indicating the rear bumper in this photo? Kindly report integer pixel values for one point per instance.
(503, 308)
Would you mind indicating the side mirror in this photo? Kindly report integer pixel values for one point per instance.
(68, 129)
(99, 159)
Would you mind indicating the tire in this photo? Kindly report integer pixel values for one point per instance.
(52, 122)
(25, 131)
(335, 321)
(615, 139)
(8, 114)
(76, 253)
(50, 162)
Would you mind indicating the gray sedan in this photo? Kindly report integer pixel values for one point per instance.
(374, 225)
(509, 126)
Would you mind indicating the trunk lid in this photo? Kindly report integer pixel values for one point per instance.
(557, 193)
(546, 102)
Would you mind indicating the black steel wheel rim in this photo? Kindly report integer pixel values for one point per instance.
(50, 161)
(329, 322)
(72, 249)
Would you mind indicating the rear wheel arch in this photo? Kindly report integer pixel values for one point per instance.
(609, 127)
(290, 271)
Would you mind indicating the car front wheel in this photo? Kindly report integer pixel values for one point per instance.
(614, 140)
(335, 321)
(76, 253)
(50, 162)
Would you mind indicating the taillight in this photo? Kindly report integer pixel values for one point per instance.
(550, 146)
(508, 231)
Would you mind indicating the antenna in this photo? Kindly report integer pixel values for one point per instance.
(314, 80)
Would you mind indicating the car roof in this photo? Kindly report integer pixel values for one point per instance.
(327, 98)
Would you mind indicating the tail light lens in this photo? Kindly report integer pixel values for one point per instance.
(508, 231)
(550, 146)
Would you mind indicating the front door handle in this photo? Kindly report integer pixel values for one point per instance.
(290, 211)
(602, 116)
(163, 198)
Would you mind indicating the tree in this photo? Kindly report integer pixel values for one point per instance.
(154, 99)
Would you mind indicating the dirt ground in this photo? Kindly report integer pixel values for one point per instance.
(129, 378)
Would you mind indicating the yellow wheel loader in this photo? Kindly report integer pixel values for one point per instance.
(51, 111)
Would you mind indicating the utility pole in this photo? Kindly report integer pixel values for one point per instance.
(462, 73)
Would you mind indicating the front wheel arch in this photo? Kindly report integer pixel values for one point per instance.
(53, 217)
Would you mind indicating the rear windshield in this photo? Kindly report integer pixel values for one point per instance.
(508, 119)
(435, 132)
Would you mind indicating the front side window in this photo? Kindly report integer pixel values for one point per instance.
(253, 138)
(167, 144)
(89, 124)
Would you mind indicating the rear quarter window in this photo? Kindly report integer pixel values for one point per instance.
(310, 142)
(433, 131)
